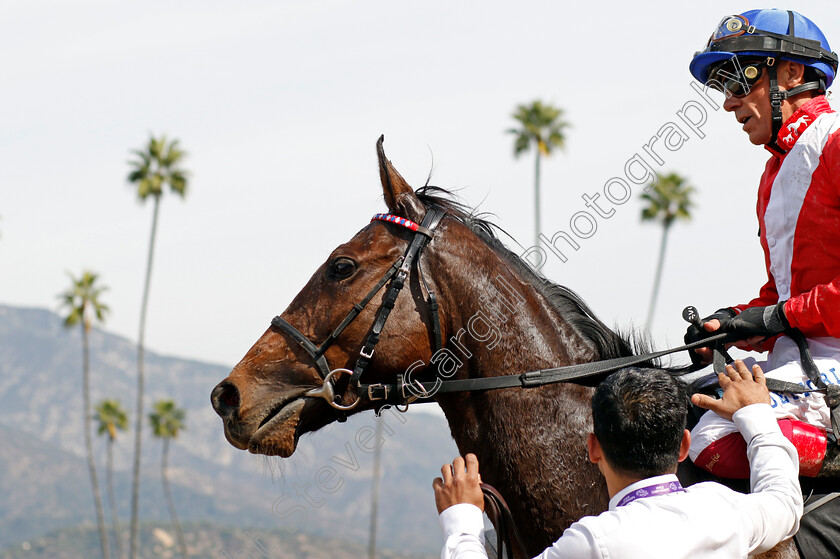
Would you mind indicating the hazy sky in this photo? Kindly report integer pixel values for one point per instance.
(279, 105)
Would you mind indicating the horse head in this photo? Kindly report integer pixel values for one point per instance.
(280, 389)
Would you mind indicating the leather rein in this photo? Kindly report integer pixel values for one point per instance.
(402, 393)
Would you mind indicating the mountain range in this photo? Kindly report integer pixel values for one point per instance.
(44, 479)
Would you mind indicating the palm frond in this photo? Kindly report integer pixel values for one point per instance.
(167, 419)
(668, 199)
(158, 166)
(81, 300)
(111, 417)
(540, 125)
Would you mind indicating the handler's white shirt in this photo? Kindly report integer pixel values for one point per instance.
(706, 520)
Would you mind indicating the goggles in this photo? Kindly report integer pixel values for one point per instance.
(730, 26)
(736, 78)
(761, 40)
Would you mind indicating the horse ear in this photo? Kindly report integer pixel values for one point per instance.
(399, 196)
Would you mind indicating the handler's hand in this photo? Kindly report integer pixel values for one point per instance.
(459, 484)
(739, 390)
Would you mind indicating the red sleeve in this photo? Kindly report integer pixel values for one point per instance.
(766, 296)
(815, 312)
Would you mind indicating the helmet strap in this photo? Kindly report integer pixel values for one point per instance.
(776, 98)
(818, 86)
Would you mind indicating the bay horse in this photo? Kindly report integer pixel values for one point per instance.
(473, 309)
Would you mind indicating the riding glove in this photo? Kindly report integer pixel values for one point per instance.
(757, 321)
(694, 333)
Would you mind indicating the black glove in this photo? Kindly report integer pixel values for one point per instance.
(695, 333)
(757, 321)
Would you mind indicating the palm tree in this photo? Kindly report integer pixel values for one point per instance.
(81, 300)
(112, 417)
(669, 199)
(167, 421)
(155, 167)
(543, 126)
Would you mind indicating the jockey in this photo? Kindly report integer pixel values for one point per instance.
(774, 67)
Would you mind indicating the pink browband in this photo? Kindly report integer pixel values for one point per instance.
(397, 220)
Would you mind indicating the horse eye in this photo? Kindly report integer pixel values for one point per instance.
(341, 268)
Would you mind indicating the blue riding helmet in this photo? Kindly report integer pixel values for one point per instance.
(773, 34)
(781, 34)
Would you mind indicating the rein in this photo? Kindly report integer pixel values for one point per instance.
(401, 393)
(508, 539)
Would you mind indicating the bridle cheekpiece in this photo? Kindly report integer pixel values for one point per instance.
(397, 275)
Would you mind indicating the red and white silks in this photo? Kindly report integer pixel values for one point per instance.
(799, 217)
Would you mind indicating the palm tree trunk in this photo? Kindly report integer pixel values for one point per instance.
(168, 493)
(114, 518)
(377, 472)
(537, 227)
(138, 425)
(97, 497)
(665, 228)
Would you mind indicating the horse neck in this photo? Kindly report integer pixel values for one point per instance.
(498, 322)
(529, 442)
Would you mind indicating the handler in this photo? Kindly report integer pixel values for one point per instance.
(639, 418)
(774, 67)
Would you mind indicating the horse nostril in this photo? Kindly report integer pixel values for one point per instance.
(225, 398)
(230, 397)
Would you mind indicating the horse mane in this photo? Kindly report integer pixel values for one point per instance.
(607, 343)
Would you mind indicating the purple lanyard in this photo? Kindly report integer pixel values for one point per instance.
(651, 491)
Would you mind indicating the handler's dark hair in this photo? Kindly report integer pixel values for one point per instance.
(639, 416)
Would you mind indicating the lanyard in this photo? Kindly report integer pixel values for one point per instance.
(651, 491)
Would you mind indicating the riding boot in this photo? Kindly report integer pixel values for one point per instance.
(831, 462)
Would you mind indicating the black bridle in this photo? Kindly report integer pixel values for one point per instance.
(398, 273)
(402, 393)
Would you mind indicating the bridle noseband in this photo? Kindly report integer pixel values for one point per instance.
(397, 275)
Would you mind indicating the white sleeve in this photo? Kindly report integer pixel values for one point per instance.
(772, 511)
(463, 532)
